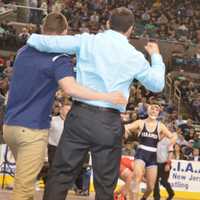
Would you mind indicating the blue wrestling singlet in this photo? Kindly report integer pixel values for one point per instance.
(146, 151)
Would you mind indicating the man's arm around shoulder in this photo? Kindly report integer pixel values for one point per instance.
(55, 43)
(72, 88)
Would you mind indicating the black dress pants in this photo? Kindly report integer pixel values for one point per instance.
(162, 178)
(51, 153)
(87, 128)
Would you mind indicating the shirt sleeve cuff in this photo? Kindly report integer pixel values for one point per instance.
(156, 59)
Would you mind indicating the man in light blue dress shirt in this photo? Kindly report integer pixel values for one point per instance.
(105, 62)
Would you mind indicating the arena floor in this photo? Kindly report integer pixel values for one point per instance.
(5, 195)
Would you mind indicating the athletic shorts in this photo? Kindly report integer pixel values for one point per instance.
(149, 158)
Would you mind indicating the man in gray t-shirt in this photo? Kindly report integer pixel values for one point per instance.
(164, 156)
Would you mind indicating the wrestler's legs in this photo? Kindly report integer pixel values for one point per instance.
(138, 174)
(150, 175)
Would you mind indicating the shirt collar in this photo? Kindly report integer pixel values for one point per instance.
(116, 34)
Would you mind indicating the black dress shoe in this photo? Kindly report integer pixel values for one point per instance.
(170, 197)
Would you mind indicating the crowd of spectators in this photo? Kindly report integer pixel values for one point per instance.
(5, 75)
(190, 94)
(171, 20)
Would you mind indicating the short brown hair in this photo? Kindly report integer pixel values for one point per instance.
(55, 22)
(121, 19)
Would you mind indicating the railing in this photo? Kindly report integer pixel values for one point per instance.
(168, 88)
(177, 99)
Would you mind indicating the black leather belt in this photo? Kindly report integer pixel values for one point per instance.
(96, 108)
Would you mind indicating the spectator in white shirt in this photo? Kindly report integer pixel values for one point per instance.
(56, 129)
(164, 156)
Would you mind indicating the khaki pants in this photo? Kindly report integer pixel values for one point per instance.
(28, 147)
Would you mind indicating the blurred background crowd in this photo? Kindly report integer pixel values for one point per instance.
(174, 24)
